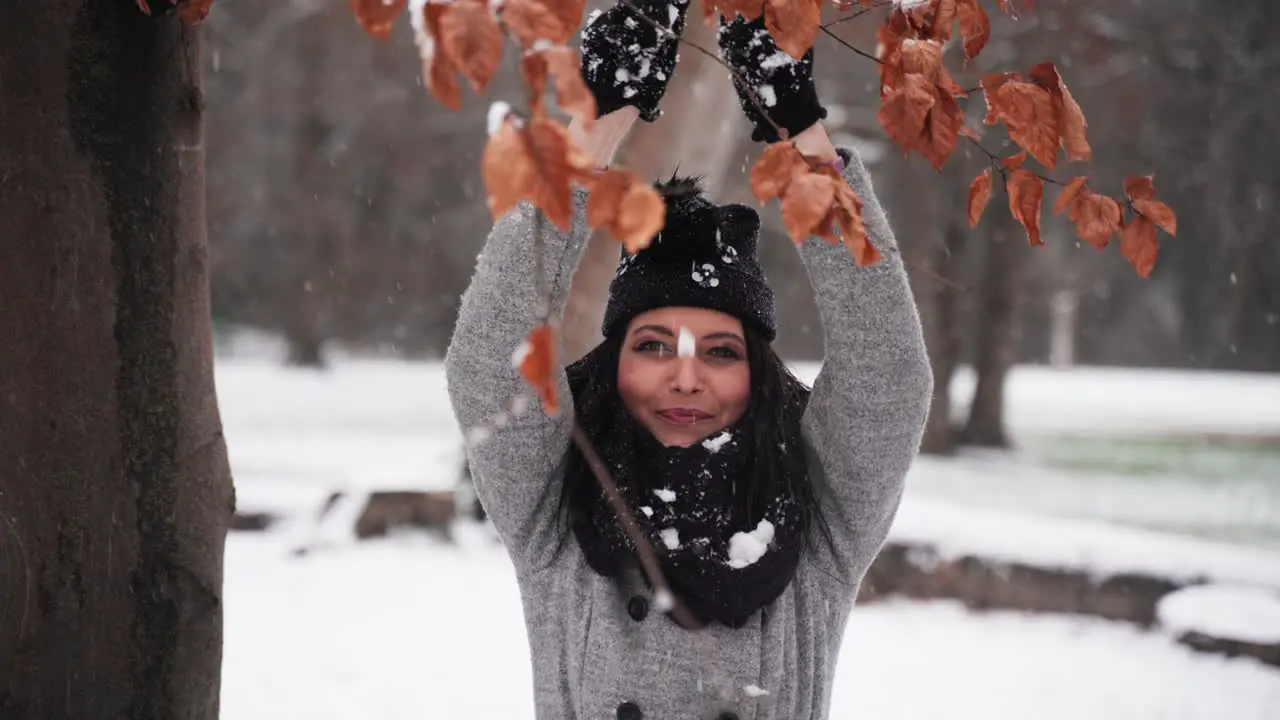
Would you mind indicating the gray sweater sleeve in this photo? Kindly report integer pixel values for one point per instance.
(513, 461)
(866, 415)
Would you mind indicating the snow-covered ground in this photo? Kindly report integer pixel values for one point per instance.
(411, 628)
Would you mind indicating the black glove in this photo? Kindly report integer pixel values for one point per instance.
(626, 61)
(782, 84)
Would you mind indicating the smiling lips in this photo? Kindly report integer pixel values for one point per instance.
(683, 416)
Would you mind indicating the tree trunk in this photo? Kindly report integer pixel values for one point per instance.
(997, 332)
(941, 330)
(698, 129)
(114, 483)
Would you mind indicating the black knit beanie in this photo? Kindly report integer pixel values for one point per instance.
(704, 256)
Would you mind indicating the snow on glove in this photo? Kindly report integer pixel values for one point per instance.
(626, 61)
(782, 84)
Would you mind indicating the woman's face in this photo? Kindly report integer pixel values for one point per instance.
(683, 373)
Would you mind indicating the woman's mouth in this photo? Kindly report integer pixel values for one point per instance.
(683, 416)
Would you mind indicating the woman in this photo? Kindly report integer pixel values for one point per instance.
(766, 502)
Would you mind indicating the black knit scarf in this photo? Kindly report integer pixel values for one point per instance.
(697, 510)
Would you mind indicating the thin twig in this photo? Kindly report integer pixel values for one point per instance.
(858, 14)
(996, 159)
(737, 77)
(845, 43)
(648, 558)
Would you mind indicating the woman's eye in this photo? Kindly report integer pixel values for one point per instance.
(725, 353)
(652, 346)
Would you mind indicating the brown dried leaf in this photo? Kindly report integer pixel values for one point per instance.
(1159, 214)
(1030, 112)
(1139, 246)
(942, 130)
(1026, 191)
(193, 12)
(1071, 123)
(1140, 187)
(1069, 194)
(979, 196)
(1097, 218)
(889, 39)
(377, 17)
(904, 110)
(555, 21)
(778, 166)
(943, 17)
(848, 216)
(632, 212)
(438, 70)
(1013, 162)
(806, 202)
(793, 24)
(534, 162)
(472, 40)
(975, 27)
(571, 91)
(536, 359)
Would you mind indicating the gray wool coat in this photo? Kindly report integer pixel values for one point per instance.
(598, 650)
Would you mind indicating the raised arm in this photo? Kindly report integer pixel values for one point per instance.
(867, 412)
(513, 456)
(870, 401)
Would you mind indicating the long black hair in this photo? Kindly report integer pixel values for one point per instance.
(777, 404)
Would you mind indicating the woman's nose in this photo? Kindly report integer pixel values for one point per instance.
(687, 377)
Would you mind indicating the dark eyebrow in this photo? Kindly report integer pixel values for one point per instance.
(655, 328)
(724, 336)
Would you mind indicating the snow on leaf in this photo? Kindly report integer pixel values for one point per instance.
(498, 112)
(979, 196)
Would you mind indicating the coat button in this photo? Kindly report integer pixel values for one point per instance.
(629, 711)
(727, 715)
(638, 608)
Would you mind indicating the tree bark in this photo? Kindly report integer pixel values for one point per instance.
(114, 485)
(997, 332)
(696, 133)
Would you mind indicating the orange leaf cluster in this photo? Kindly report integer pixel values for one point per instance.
(814, 201)
(1138, 238)
(918, 107)
(1041, 115)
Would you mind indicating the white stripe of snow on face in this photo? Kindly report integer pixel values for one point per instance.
(685, 345)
